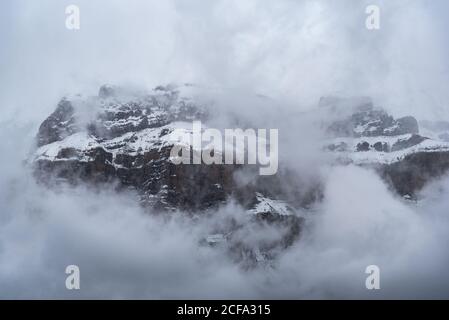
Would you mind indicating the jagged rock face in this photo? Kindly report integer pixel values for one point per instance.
(408, 142)
(367, 121)
(129, 139)
(126, 138)
(415, 171)
(368, 136)
(58, 125)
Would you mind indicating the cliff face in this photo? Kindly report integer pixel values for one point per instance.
(125, 138)
(405, 156)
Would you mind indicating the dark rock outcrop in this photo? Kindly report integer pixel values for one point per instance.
(127, 140)
(407, 143)
(60, 124)
(368, 121)
(394, 147)
(411, 174)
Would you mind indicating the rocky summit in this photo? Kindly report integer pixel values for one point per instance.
(124, 138)
(406, 156)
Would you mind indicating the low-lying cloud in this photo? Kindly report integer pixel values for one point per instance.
(124, 252)
(292, 52)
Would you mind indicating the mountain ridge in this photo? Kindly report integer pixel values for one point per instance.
(126, 138)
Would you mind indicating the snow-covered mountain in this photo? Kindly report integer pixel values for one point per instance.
(125, 137)
(403, 153)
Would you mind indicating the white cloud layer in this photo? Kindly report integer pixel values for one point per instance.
(293, 51)
(124, 253)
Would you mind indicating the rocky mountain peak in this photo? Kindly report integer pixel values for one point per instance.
(125, 136)
(358, 117)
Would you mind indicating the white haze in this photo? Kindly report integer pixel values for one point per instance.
(291, 51)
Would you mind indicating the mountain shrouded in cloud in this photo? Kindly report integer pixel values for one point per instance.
(363, 120)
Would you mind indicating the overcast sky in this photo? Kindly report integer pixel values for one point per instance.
(294, 50)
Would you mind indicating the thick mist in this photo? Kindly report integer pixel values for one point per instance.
(292, 53)
(123, 252)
